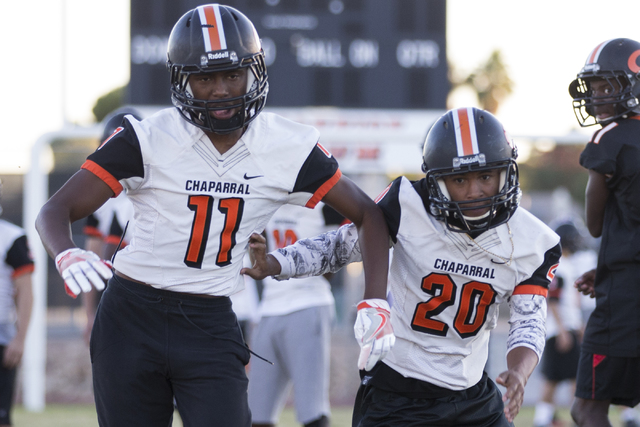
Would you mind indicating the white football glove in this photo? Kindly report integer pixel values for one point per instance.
(80, 269)
(373, 332)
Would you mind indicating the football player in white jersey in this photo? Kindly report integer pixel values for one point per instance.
(16, 302)
(202, 177)
(104, 229)
(461, 246)
(294, 330)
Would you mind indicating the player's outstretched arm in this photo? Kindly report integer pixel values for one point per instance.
(521, 362)
(373, 234)
(80, 196)
(525, 344)
(262, 264)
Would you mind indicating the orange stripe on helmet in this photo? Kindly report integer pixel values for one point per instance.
(211, 33)
(465, 131)
(593, 56)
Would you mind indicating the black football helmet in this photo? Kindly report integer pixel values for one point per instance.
(465, 140)
(114, 119)
(570, 237)
(618, 61)
(211, 38)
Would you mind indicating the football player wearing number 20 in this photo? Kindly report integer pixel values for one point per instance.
(202, 177)
(461, 246)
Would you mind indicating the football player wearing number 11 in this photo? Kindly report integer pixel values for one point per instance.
(202, 178)
(462, 245)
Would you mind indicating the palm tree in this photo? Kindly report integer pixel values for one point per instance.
(490, 81)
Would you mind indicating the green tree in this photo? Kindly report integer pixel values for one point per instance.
(490, 81)
(109, 102)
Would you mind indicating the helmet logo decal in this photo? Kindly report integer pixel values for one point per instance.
(633, 62)
(465, 129)
(212, 29)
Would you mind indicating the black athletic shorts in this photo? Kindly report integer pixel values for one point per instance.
(609, 378)
(409, 402)
(558, 366)
(7, 384)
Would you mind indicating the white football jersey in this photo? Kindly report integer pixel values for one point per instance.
(194, 208)
(444, 288)
(289, 224)
(15, 260)
(111, 219)
(569, 299)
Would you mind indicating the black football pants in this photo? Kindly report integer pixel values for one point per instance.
(149, 346)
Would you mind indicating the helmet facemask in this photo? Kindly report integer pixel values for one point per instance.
(615, 62)
(500, 207)
(623, 99)
(198, 111)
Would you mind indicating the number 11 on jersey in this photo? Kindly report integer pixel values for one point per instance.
(202, 205)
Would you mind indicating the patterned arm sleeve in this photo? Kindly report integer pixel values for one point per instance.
(328, 252)
(527, 323)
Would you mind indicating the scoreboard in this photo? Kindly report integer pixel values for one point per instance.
(343, 53)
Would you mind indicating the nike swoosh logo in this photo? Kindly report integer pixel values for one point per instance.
(252, 177)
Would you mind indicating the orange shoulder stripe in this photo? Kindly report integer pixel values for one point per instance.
(324, 189)
(101, 173)
(25, 269)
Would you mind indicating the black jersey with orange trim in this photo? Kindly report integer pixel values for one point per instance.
(196, 208)
(614, 326)
(615, 151)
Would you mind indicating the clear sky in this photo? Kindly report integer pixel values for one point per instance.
(50, 75)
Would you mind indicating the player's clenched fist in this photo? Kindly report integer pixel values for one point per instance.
(373, 331)
(80, 269)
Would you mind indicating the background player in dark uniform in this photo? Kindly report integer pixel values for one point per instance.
(202, 178)
(564, 322)
(16, 302)
(461, 246)
(606, 93)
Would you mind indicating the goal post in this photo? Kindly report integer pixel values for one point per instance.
(36, 193)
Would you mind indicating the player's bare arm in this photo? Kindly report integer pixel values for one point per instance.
(24, 304)
(373, 234)
(596, 198)
(80, 196)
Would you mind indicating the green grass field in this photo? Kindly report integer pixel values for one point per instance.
(85, 416)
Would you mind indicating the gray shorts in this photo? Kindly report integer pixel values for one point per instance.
(299, 346)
